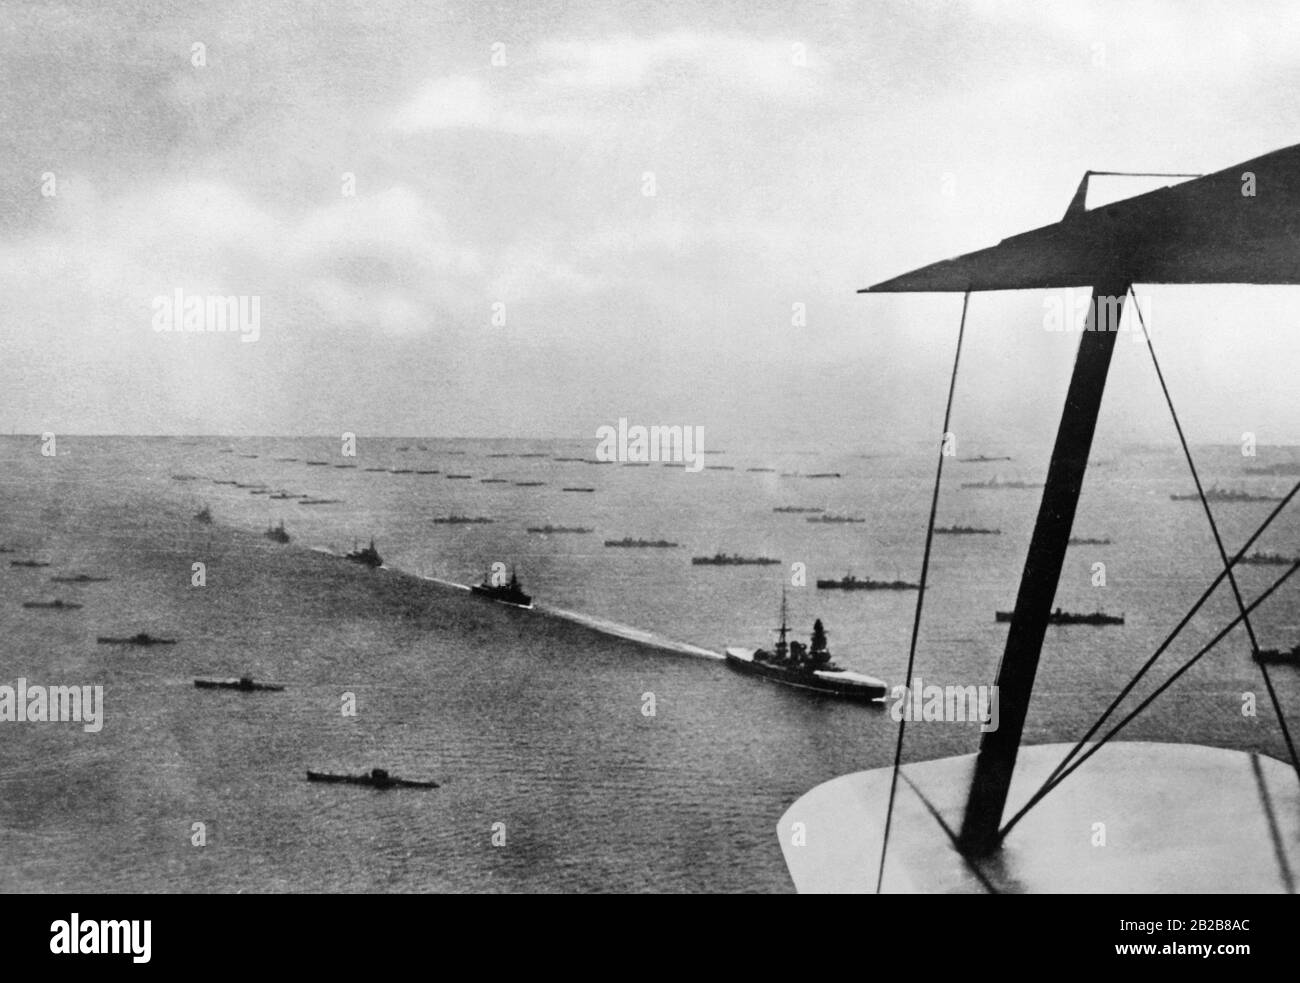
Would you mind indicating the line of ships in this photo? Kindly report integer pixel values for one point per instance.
(792, 663)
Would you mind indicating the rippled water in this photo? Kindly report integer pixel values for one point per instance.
(547, 736)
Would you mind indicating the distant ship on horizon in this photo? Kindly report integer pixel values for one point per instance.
(732, 560)
(999, 483)
(1216, 494)
(1059, 617)
(850, 582)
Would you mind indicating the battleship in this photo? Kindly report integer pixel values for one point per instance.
(830, 518)
(462, 520)
(577, 488)
(368, 556)
(807, 668)
(798, 509)
(28, 563)
(1226, 495)
(733, 560)
(965, 531)
(56, 605)
(319, 501)
(982, 459)
(1087, 541)
(629, 542)
(277, 534)
(508, 593)
(1289, 469)
(549, 530)
(1059, 617)
(850, 582)
(77, 578)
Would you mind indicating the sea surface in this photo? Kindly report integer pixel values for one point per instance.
(595, 794)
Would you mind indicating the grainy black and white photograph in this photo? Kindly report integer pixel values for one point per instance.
(672, 448)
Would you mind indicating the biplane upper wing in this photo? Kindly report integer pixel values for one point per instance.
(1238, 225)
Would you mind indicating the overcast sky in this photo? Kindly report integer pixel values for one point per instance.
(501, 155)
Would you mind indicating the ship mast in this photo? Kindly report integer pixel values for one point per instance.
(781, 647)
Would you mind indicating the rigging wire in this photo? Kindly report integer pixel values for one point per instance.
(1218, 540)
(1145, 703)
(920, 595)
